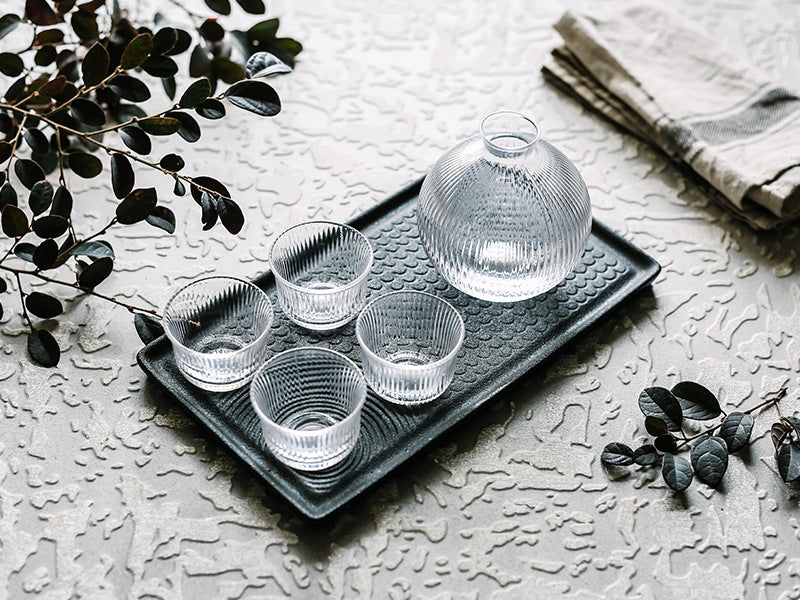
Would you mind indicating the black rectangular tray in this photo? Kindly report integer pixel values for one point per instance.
(502, 343)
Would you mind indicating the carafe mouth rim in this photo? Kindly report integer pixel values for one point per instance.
(508, 132)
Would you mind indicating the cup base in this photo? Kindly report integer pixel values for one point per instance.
(312, 464)
(319, 326)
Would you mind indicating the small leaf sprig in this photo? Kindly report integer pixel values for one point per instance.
(665, 411)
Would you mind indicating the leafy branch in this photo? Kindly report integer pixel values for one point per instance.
(85, 83)
(665, 412)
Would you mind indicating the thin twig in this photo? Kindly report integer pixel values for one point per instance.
(22, 300)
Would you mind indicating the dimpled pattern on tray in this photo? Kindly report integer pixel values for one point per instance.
(502, 343)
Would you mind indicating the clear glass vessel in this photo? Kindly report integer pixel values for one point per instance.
(504, 215)
(219, 328)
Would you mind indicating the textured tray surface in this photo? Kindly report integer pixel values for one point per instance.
(502, 343)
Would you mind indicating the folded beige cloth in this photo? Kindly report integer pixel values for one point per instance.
(661, 79)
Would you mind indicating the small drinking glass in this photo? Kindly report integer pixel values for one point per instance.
(218, 327)
(321, 273)
(309, 401)
(409, 341)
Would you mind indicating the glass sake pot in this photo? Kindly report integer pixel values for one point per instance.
(504, 215)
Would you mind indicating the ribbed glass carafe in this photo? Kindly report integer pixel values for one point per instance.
(504, 215)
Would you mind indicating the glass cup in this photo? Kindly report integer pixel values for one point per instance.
(409, 341)
(309, 401)
(218, 327)
(321, 273)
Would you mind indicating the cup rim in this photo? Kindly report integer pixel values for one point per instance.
(321, 292)
(355, 413)
(371, 354)
(499, 147)
(256, 341)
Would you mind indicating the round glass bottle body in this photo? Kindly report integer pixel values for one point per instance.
(504, 215)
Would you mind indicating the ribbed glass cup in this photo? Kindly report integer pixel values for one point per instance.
(409, 342)
(218, 327)
(309, 401)
(504, 215)
(321, 273)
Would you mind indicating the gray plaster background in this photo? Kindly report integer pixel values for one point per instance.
(109, 490)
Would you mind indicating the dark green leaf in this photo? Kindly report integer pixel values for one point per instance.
(85, 165)
(43, 305)
(659, 402)
(45, 55)
(16, 90)
(211, 109)
(646, 455)
(163, 218)
(13, 221)
(50, 226)
(63, 251)
(179, 189)
(200, 62)
(48, 161)
(222, 7)
(677, 472)
(617, 454)
(43, 348)
(37, 140)
(230, 214)
(710, 459)
(170, 87)
(62, 203)
(96, 272)
(209, 183)
(46, 254)
(780, 433)
(8, 195)
(48, 36)
(788, 457)
(94, 67)
(122, 177)
(130, 88)
(172, 162)
(160, 125)
(263, 64)
(6, 150)
(40, 13)
(697, 401)
(227, 70)
(655, 426)
(183, 43)
(8, 23)
(795, 423)
(93, 249)
(54, 87)
(160, 66)
(3, 286)
(85, 26)
(136, 139)
(736, 430)
(189, 129)
(148, 327)
(28, 172)
(286, 49)
(264, 31)
(11, 64)
(164, 40)
(666, 443)
(137, 51)
(25, 251)
(2, 181)
(256, 96)
(137, 206)
(195, 94)
(41, 197)
(87, 111)
(254, 7)
(209, 211)
(211, 30)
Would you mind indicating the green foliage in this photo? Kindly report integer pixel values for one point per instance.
(73, 96)
(665, 414)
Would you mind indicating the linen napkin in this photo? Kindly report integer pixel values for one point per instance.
(661, 79)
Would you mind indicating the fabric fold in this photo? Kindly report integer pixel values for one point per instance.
(659, 78)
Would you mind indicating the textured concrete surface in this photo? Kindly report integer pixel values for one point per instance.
(110, 490)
